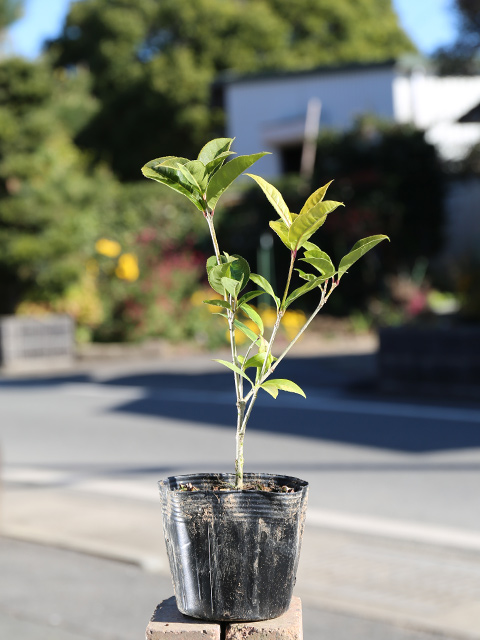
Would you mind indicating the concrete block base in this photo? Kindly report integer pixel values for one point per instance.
(168, 623)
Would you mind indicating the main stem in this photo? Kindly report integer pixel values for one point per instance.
(241, 423)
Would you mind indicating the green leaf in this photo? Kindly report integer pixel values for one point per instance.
(234, 367)
(253, 315)
(265, 285)
(258, 360)
(306, 224)
(358, 250)
(249, 296)
(281, 230)
(213, 166)
(189, 177)
(199, 173)
(251, 335)
(273, 386)
(213, 149)
(239, 269)
(215, 275)
(227, 174)
(305, 276)
(274, 197)
(234, 267)
(218, 303)
(315, 198)
(321, 261)
(165, 170)
(311, 284)
(232, 286)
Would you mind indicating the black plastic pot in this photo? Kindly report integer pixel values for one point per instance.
(233, 554)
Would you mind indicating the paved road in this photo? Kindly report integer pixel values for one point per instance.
(77, 597)
(394, 529)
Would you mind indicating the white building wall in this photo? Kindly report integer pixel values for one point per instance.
(262, 113)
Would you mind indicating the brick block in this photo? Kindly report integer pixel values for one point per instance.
(167, 623)
(286, 627)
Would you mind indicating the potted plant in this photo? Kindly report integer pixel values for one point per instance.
(233, 539)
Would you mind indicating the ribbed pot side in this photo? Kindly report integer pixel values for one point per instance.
(233, 554)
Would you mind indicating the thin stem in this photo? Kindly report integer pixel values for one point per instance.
(239, 445)
(209, 218)
(293, 255)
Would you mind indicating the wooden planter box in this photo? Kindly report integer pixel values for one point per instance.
(28, 342)
(433, 360)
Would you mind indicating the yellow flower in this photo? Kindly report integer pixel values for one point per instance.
(269, 316)
(292, 322)
(109, 248)
(127, 267)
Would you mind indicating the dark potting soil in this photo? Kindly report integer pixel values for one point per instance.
(270, 487)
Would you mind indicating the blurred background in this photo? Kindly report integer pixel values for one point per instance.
(105, 343)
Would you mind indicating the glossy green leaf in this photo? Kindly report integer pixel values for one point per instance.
(315, 198)
(249, 296)
(214, 149)
(281, 230)
(306, 224)
(311, 284)
(234, 367)
(305, 276)
(253, 315)
(239, 269)
(218, 303)
(182, 168)
(281, 384)
(358, 250)
(198, 171)
(258, 360)
(310, 246)
(215, 275)
(213, 166)
(227, 174)
(165, 170)
(265, 285)
(321, 261)
(274, 197)
(232, 286)
(251, 335)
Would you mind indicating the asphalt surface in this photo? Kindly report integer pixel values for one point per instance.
(392, 543)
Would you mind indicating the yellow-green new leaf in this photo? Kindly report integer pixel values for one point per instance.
(253, 315)
(213, 149)
(218, 303)
(224, 177)
(315, 198)
(359, 249)
(281, 230)
(274, 197)
(265, 285)
(321, 261)
(251, 335)
(165, 170)
(305, 225)
(273, 386)
(311, 284)
(234, 367)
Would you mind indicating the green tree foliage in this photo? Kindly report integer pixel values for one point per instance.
(462, 57)
(10, 11)
(51, 203)
(153, 61)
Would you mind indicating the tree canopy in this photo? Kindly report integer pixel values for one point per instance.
(462, 57)
(153, 61)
